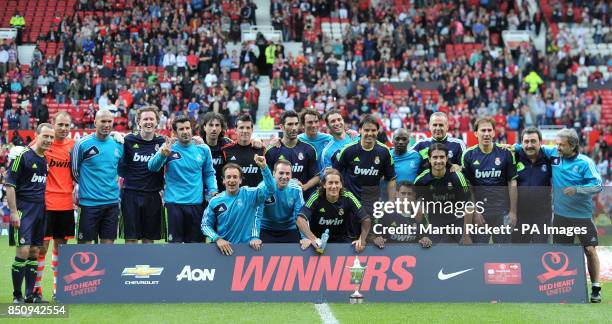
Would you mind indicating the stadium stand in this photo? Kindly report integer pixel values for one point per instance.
(401, 60)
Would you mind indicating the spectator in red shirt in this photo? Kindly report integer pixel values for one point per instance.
(465, 122)
(108, 60)
(500, 120)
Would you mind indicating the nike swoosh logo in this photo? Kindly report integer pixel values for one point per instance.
(443, 276)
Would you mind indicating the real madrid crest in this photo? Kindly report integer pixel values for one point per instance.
(497, 161)
(450, 154)
(156, 147)
(376, 160)
(544, 168)
(300, 156)
(341, 211)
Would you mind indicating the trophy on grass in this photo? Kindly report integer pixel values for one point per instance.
(357, 272)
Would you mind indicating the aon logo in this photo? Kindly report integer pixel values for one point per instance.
(141, 158)
(488, 174)
(39, 178)
(196, 274)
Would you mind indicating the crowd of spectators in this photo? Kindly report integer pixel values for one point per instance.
(122, 55)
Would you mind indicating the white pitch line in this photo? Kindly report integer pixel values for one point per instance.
(326, 314)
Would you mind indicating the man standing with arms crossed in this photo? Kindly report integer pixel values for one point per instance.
(188, 167)
(95, 160)
(59, 201)
(25, 190)
(141, 205)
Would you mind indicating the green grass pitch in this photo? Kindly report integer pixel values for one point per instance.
(306, 312)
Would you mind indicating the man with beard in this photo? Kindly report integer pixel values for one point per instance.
(95, 160)
(333, 207)
(438, 126)
(336, 127)
(364, 163)
(310, 120)
(534, 194)
(188, 167)
(25, 191)
(212, 130)
(302, 156)
(407, 162)
(230, 217)
(141, 205)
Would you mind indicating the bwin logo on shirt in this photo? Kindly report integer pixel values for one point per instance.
(38, 178)
(371, 171)
(297, 168)
(331, 222)
(250, 169)
(488, 174)
(141, 158)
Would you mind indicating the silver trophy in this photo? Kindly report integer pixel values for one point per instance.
(357, 272)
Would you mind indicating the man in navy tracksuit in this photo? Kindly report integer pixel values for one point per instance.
(534, 189)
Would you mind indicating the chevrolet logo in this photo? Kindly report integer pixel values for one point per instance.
(142, 271)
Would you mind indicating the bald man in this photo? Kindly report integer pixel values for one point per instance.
(438, 126)
(94, 162)
(407, 162)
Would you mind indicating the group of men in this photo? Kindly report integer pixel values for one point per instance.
(297, 188)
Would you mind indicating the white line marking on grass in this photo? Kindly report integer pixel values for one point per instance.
(326, 314)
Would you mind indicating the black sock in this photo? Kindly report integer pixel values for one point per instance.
(18, 272)
(30, 275)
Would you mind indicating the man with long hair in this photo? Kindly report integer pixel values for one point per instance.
(334, 208)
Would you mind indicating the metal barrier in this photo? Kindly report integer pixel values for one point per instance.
(8, 33)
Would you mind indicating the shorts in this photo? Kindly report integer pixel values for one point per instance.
(272, 236)
(98, 222)
(590, 238)
(60, 224)
(184, 223)
(141, 215)
(32, 228)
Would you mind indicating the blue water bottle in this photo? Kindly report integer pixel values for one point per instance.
(323, 241)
